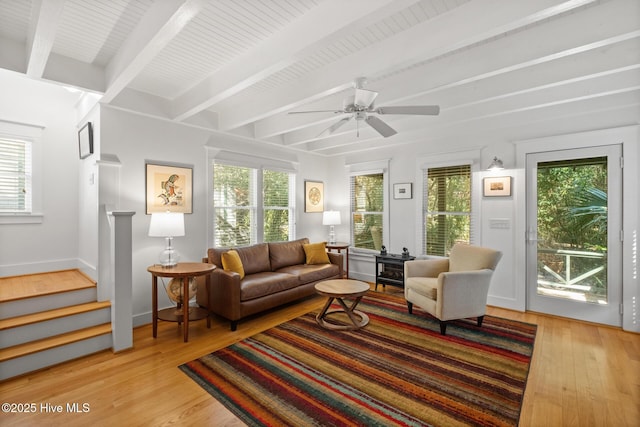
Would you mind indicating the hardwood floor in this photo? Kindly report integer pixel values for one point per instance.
(581, 375)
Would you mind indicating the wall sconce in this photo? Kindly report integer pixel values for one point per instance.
(331, 218)
(167, 225)
(496, 165)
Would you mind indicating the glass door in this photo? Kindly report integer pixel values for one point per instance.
(574, 234)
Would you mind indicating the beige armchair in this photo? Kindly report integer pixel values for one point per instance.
(451, 288)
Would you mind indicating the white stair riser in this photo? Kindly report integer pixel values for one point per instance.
(47, 302)
(49, 328)
(54, 356)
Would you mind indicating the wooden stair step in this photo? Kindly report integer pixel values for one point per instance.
(34, 285)
(52, 342)
(43, 316)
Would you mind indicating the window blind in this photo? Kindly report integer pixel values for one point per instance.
(251, 205)
(447, 215)
(277, 205)
(367, 210)
(15, 176)
(234, 205)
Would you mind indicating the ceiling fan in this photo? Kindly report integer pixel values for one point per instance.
(361, 107)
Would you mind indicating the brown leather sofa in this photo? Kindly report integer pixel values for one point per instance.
(275, 274)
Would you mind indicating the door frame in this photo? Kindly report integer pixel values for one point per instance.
(629, 138)
(608, 314)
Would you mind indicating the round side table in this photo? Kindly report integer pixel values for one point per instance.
(184, 271)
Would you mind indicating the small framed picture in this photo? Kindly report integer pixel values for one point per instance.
(498, 186)
(313, 196)
(85, 140)
(403, 191)
(169, 188)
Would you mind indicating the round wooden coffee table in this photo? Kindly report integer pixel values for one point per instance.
(338, 289)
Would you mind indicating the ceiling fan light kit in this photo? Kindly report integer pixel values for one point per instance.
(361, 106)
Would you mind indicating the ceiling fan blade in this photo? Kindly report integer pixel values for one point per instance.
(423, 110)
(318, 111)
(338, 124)
(364, 98)
(331, 129)
(380, 126)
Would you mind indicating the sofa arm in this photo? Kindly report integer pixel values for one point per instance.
(224, 294)
(337, 259)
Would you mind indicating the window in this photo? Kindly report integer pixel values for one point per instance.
(277, 210)
(446, 208)
(242, 212)
(15, 176)
(367, 210)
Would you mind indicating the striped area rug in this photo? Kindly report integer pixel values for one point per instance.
(398, 370)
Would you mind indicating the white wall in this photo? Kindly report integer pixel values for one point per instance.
(53, 243)
(508, 283)
(128, 140)
(88, 181)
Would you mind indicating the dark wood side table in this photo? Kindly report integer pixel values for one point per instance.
(392, 271)
(184, 271)
(340, 246)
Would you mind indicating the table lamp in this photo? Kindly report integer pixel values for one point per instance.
(167, 225)
(331, 218)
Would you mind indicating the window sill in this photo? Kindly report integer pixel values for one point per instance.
(21, 218)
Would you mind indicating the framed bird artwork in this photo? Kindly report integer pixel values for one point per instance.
(169, 188)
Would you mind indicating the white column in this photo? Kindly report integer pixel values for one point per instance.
(121, 298)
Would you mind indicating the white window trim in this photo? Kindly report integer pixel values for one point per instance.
(259, 163)
(33, 134)
(470, 157)
(367, 168)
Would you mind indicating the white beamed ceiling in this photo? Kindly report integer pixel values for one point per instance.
(503, 69)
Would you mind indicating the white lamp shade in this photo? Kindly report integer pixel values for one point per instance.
(331, 218)
(167, 224)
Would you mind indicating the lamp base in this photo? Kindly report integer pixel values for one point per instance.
(332, 235)
(169, 257)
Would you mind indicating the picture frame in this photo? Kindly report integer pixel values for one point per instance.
(498, 186)
(403, 190)
(169, 188)
(313, 196)
(85, 140)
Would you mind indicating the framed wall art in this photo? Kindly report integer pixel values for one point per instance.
(169, 188)
(313, 196)
(85, 140)
(498, 186)
(403, 191)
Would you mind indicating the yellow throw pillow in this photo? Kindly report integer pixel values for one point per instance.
(316, 253)
(231, 262)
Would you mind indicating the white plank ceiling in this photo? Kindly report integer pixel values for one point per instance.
(503, 69)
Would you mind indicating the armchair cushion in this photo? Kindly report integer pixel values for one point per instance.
(425, 286)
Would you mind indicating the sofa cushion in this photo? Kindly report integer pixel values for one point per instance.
(231, 262)
(307, 273)
(282, 254)
(316, 253)
(255, 258)
(266, 283)
(214, 256)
